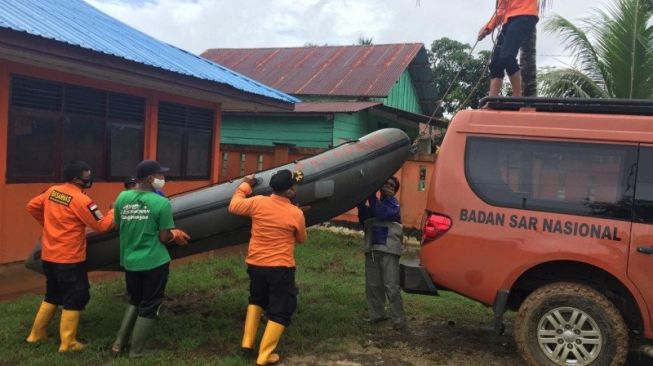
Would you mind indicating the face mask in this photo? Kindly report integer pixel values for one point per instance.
(158, 183)
(86, 183)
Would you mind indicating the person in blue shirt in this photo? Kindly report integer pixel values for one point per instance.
(381, 218)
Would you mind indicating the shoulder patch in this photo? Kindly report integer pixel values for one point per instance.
(60, 198)
(95, 211)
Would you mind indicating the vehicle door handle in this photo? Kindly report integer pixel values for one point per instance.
(645, 250)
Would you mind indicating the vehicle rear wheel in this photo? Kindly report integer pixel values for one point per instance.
(564, 324)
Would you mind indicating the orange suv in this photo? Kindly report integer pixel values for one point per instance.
(545, 207)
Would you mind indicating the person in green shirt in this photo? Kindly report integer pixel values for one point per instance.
(144, 220)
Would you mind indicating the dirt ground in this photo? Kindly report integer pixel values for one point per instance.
(432, 344)
(424, 343)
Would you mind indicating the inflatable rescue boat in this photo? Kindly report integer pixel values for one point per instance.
(334, 182)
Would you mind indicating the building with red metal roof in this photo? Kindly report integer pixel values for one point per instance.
(346, 92)
(336, 71)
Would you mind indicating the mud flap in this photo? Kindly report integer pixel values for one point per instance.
(499, 308)
(415, 280)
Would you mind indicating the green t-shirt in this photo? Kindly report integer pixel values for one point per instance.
(139, 216)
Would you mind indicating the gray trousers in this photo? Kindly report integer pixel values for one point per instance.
(381, 280)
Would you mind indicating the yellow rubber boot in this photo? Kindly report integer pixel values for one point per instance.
(41, 321)
(269, 342)
(252, 320)
(68, 331)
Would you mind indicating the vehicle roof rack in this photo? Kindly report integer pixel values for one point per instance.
(640, 107)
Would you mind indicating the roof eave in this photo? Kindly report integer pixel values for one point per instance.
(408, 116)
(24, 48)
(379, 109)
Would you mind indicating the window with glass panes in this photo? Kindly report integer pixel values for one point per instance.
(52, 123)
(184, 140)
(575, 178)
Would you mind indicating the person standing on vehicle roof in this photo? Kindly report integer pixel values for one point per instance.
(381, 218)
(277, 225)
(517, 19)
(144, 220)
(65, 211)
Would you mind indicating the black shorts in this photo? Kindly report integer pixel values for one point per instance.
(273, 289)
(512, 37)
(146, 289)
(66, 284)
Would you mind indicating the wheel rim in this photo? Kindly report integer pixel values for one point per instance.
(569, 336)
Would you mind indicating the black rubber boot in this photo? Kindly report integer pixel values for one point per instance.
(140, 335)
(122, 339)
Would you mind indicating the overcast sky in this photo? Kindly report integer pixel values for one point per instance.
(196, 25)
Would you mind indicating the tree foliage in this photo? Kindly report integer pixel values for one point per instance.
(448, 57)
(613, 53)
(363, 41)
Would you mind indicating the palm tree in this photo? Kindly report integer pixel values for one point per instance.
(527, 59)
(613, 53)
(528, 64)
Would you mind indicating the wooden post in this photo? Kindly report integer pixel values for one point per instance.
(216, 156)
(4, 132)
(151, 127)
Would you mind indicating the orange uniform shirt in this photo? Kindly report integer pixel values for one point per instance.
(65, 211)
(277, 225)
(507, 9)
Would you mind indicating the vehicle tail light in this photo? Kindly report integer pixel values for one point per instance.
(435, 226)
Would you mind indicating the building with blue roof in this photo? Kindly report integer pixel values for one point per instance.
(77, 84)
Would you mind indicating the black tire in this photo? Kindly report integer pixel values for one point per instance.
(602, 338)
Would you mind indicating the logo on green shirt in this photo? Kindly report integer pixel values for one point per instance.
(139, 217)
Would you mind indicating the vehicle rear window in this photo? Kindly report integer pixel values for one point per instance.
(644, 193)
(566, 177)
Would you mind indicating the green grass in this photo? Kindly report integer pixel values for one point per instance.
(201, 322)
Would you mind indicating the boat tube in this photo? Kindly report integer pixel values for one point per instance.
(334, 182)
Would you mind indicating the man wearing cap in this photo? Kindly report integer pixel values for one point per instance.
(65, 211)
(277, 225)
(145, 222)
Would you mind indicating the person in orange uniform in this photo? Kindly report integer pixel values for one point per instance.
(277, 225)
(65, 212)
(518, 18)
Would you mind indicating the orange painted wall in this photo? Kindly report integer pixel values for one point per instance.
(412, 200)
(18, 230)
(272, 157)
(250, 166)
